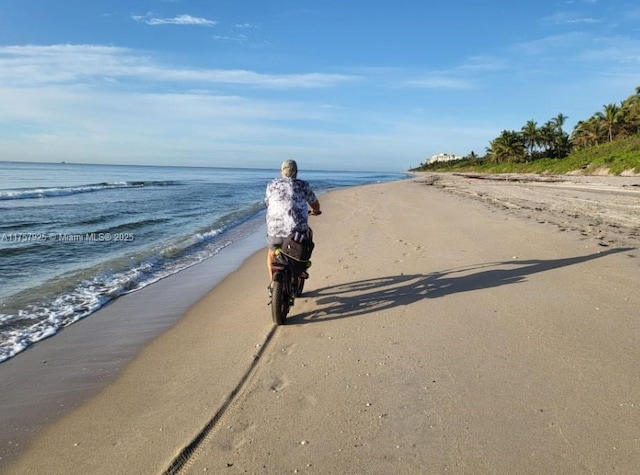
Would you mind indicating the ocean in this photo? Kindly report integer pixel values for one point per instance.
(74, 237)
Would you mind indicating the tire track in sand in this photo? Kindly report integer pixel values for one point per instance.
(188, 454)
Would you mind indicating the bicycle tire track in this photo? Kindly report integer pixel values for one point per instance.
(190, 452)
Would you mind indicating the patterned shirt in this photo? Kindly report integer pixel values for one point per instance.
(287, 200)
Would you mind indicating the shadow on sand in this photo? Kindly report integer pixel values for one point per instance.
(373, 295)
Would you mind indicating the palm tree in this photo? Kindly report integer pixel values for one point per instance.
(555, 140)
(562, 142)
(580, 135)
(508, 147)
(473, 158)
(610, 117)
(547, 138)
(630, 111)
(530, 136)
(558, 121)
(563, 145)
(586, 133)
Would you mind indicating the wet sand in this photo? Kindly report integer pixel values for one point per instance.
(55, 376)
(450, 324)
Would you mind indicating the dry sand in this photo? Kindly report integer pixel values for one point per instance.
(438, 333)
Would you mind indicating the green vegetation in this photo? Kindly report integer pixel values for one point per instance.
(609, 140)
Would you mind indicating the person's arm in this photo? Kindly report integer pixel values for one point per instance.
(315, 207)
(266, 195)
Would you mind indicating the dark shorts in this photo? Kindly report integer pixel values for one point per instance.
(274, 242)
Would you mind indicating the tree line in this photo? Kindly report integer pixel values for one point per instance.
(533, 142)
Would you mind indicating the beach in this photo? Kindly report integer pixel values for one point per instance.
(451, 323)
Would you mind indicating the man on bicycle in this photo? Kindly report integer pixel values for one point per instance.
(287, 199)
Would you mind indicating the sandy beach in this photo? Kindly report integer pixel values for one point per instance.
(452, 323)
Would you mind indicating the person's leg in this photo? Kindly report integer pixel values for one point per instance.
(273, 242)
(270, 258)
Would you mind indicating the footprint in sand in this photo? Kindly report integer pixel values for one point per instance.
(279, 384)
(287, 350)
(244, 436)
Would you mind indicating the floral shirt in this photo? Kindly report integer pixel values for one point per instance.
(287, 200)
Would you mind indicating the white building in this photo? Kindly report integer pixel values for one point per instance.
(443, 157)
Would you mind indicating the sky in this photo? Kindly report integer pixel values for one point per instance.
(375, 85)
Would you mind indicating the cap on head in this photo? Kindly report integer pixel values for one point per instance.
(289, 169)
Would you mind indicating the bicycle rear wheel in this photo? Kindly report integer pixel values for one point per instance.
(279, 302)
(299, 286)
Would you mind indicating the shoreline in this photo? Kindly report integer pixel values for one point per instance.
(77, 363)
(55, 376)
(412, 279)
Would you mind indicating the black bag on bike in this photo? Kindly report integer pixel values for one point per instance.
(298, 246)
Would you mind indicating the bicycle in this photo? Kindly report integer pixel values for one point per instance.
(289, 276)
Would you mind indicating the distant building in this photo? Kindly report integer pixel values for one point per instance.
(442, 157)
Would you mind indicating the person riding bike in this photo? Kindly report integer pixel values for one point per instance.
(287, 199)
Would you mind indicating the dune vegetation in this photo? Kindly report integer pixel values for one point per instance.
(607, 142)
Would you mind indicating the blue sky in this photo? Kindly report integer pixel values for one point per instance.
(336, 84)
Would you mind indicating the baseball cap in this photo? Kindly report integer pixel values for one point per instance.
(289, 168)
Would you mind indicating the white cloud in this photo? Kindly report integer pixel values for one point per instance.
(80, 63)
(457, 78)
(437, 81)
(552, 44)
(178, 20)
(106, 104)
(621, 50)
(484, 63)
(569, 18)
(231, 39)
